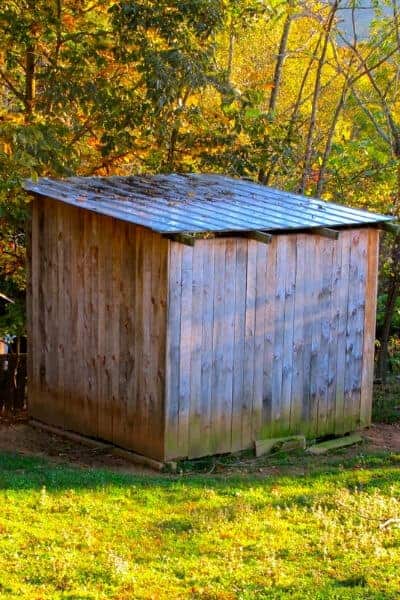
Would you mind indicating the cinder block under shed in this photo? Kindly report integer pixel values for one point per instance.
(187, 315)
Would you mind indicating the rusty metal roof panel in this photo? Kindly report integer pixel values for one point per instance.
(199, 203)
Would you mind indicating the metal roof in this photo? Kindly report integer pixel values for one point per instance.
(198, 203)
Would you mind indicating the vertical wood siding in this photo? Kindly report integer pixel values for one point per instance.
(267, 340)
(97, 321)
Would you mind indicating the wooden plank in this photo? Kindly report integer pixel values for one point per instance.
(93, 323)
(29, 299)
(143, 338)
(196, 442)
(367, 377)
(288, 325)
(239, 346)
(61, 235)
(259, 338)
(300, 307)
(326, 232)
(283, 444)
(136, 272)
(336, 283)
(157, 343)
(229, 291)
(50, 283)
(325, 300)
(218, 388)
(85, 427)
(316, 290)
(280, 296)
(336, 444)
(114, 326)
(129, 422)
(207, 345)
(259, 236)
(74, 409)
(339, 426)
(105, 323)
(86, 441)
(309, 291)
(269, 339)
(89, 414)
(173, 350)
(66, 300)
(185, 350)
(249, 345)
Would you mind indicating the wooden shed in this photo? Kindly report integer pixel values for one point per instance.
(187, 315)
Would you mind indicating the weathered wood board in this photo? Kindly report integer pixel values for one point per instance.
(284, 332)
(97, 321)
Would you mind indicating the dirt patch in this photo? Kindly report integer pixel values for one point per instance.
(382, 436)
(21, 438)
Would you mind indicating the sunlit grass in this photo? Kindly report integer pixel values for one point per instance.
(86, 534)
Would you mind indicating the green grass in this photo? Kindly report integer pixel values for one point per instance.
(89, 534)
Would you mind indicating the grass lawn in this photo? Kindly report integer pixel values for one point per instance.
(310, 532)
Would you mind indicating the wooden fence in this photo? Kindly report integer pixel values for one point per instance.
(12, 383)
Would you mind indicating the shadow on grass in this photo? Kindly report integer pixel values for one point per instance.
(376, 471)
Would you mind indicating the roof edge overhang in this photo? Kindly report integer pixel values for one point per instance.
(39, 188)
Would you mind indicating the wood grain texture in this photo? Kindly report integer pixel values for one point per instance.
(339, 425)
(239, 344)
(95, 279)
(195, 416)
(299, 372)
(269, 339)
(206, 346)
(279, 323)
(324, 309)
(270, 330)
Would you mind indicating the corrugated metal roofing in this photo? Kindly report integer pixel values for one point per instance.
(199, 203)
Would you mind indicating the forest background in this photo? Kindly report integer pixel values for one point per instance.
(299, 95)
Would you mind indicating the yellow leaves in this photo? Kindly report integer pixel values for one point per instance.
(5, 147)
(68, 22)
(344, 129)
(12, 117)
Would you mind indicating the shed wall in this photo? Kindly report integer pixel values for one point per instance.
(266, 340)
(98, 326)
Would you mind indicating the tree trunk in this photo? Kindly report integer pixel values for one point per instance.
(279, 64)
(172, 147)
(315, 102)
(29, 80)
(393, 289)
(262, 175)
(232, 39)
(268, 174)
(331, 133)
